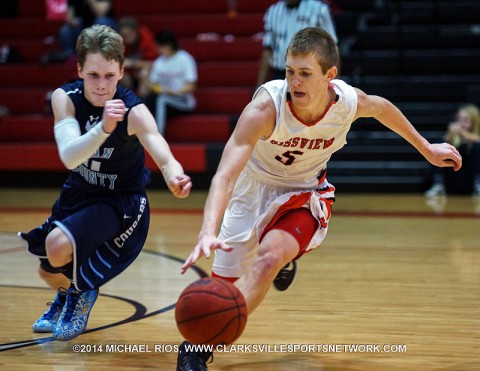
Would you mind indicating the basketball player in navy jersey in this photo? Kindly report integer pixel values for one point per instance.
(100, 221)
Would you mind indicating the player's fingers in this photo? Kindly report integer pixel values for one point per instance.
(184, 182)
(185, 266)
(188, 263)
(454, 159)
(457, 164)
(186, 188)
(196, 254)
(222, 246)
(206, 252)
(456, 151)
(183, 188)
(117, 103)
(179, 192)
(183, 179)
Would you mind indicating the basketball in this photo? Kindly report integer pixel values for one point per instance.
(211, 311)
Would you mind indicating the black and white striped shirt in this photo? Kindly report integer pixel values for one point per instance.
(281, 23)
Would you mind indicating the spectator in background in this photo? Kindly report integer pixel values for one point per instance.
(232, 11)
(4, 110)
(464, 134)
(172, 80)
(80, 14)
(140, 52)
(281, 21)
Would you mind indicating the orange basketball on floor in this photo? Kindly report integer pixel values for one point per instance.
(211, 311)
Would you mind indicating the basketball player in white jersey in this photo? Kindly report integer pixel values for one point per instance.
(270, 188)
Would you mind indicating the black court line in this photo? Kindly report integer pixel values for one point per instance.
(140, 309)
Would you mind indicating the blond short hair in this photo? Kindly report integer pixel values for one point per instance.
(316, 41)
(100, 39)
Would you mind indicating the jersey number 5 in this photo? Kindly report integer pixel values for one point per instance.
(288, 157)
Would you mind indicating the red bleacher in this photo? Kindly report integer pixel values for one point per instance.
(227, 70)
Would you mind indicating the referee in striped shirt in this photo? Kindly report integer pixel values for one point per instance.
(281, 21)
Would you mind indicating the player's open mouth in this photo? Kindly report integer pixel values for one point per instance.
(299, 94)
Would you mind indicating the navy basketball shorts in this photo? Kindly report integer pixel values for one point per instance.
(107, 233)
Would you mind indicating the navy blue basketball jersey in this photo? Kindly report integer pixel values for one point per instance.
(119, 163)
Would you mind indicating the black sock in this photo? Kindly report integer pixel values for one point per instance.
(67, 270)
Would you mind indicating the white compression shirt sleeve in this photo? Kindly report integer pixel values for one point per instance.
(73, 147)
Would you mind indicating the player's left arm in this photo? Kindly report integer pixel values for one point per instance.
(142, 124)
(439, 154)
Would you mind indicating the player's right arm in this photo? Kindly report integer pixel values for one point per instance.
(256, 121)
(73, 147)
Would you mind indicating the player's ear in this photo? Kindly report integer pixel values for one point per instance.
(79, 71)
(332, 73)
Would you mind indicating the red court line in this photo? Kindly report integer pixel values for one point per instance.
(358, 213)
(408, 214)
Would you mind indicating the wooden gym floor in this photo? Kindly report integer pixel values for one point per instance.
(395, 286)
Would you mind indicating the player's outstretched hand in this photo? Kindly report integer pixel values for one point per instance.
(203, 248)
(445, 155)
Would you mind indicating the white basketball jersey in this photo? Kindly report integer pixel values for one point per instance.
(295, 153)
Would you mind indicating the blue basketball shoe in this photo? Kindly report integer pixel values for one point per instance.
(48, 320)
(74, 317)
